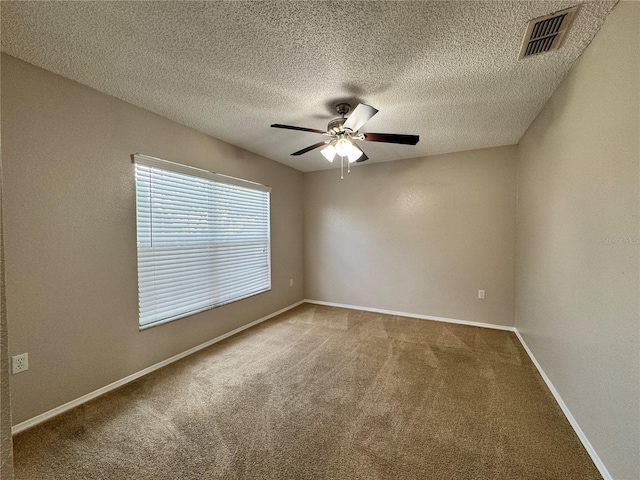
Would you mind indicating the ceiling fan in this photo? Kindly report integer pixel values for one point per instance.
(343, 131)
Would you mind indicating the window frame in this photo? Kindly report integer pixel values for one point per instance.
(180, 169)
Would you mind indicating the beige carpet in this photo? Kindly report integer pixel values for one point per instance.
(323, 393)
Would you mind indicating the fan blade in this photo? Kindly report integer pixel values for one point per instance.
(312, 147)
(363, 158)
(361, 115)
(391, 138)
(302, 129)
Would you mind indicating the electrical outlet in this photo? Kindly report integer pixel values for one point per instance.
(20, 363)
(481, 294)
(291, 282)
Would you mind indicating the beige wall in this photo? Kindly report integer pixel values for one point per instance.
(6, 450)
(577, 241)
(71, 235)
(419, 236)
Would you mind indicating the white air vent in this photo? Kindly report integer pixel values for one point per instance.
(546, 33)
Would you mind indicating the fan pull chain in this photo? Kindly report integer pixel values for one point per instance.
(341, 168)
(348, 168)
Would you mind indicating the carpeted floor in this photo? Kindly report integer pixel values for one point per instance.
(322, 393)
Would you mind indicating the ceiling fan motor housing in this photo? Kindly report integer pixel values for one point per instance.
(335, 125)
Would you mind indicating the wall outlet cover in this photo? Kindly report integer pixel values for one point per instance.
(20, 363)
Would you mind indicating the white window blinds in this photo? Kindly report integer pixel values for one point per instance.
(203, 239)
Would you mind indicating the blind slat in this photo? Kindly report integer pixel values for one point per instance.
(184, 296)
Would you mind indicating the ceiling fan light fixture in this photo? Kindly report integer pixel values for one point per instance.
(343, 146)
(329, 152)
(354, 153)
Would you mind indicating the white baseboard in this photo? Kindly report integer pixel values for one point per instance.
(112, 386)
(414, 315)
(581, 435)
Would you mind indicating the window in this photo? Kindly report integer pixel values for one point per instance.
(203, 239)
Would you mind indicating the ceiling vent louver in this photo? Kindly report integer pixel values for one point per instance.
(546, 33)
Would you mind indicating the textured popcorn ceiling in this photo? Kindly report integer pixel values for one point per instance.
(447, 71)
